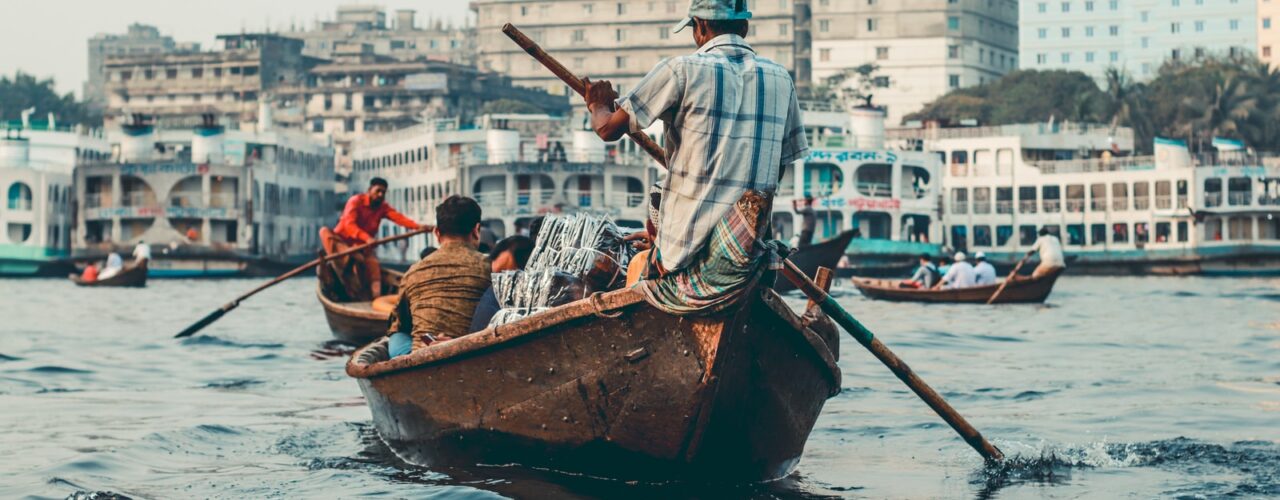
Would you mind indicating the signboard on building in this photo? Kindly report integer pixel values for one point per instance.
(427, 81)
(233, 152)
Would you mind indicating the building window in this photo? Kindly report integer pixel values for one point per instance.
(197, 72)
(1043, 32)
(1266, 23)
(824, 55)
(953, 51)
(581, 35)
(1066, 6)
(1235, 25)
(1199, 26)
(882, 53)
(1042, 7)
(1088, 6)
(783, 28)
(1115, 5)
(317, 126)
(1115, 56)
(664, 33)
(1115, 30)
(586, 8)
(1066, 57)
(1144, 16)
(577, 62)
(1146, 42)
(1042, 59)
(622, 9)
(953, 23)
(1176, 3)
(1175, 54)
(1266, 51)
(1175, 28)
(872, 24)
(1088, 57)
(1066, 32)
(824, 25)
(620, 34)
(620, 62)
(1088, 31)
(953, 81)
(881, 82)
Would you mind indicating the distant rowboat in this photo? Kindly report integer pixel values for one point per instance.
(610, 386)
(132, 275)
(1021, 290)
(826, 254)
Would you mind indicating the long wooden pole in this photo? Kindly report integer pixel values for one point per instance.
(226, 308)
(1009, 279)
(806, 285)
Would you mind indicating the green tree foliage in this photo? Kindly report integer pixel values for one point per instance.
(509, 106)
(23, 91)
(1021, 97)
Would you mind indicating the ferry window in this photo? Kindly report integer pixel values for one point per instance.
(1141, 233)
(915, 180)
(1075, 234)
(959, 157)
(873, 179)
(1212, 192)
(1051, 196)
(171, 74)
(1027, 199)
(981, 236)
(1241, 228)
(915, 228)
(1268, 228)
(1026, 234)
(1239, 190)
(1098, 234)
(19, 232)
(981, 200)
(1054, 229)
(1003, 233)
(197, 72)
(1075, 198)
(960, 200)
(982, 158)
(960, 237)
(1162, 232)
(19, 199)
(1141, 195)
(1004, 160)
(1163, 199)
(1120, 233)
(1098, 197)
(874, 225)
(1119, 196)
(1213, 228)
(1004, 200)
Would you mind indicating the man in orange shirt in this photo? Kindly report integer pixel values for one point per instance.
(359, 224)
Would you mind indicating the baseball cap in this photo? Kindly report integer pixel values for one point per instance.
(714, 10)
(960, 257)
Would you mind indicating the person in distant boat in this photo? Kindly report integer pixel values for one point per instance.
(960, 275)
(115, 264)
(141, 252)
(90, 273)
(438, 294)
(944, 265)
(925, 276)
(193, 236)
(808, 222)
(510, 254)
(1051, 257)
(983, 273)
(360, 220)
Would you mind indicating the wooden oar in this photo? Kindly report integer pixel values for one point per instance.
(1009, 279)
(226, 308)
(795, 275)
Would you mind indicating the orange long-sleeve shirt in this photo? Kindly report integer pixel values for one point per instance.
(360, 221)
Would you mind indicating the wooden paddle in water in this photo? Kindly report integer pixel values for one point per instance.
(226, 308)
(1009, 279)
(795, 275)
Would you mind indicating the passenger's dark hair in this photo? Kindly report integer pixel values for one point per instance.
(457, 215)
(1044, 231)
(926, 257)
(377, 181)
(521, 248)
(727, 26)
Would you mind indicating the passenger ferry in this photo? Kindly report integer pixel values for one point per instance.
(518, 167)
(37, 159)
(209, 201)
(1116, 213)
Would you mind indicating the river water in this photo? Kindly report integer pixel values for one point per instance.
(1118, 387)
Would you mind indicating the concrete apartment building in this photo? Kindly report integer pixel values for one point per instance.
(229, 83)
(1137, 36)
(138, 40)
(924, 48)
(1268, 31)
(404, 39)
(617, 40)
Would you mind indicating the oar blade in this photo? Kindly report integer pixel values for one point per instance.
(199, 325)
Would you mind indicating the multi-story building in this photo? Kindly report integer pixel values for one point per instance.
(435, 40)
(179, 88)
(923, 48)
(617, 40)
(139, 40)
(1136, 36)
(1268, 31)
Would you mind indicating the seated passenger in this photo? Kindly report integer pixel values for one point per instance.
(926, 275)
(959, 276)
(90, 273)
(438, 295)
(114, 265)
(983, 273)
(510, 254)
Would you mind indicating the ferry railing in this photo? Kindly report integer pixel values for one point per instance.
(959, 169)
(1141, 203)
(825, 188)
(1119, 204)
(1098, 205)
(1004, 207)
(960, 207)
(534, 196)
(222, 200)
(1182, 201)
(1027, 206)
(1075, 205)
(1164, 202)
(1212, 199)
(137, 199)
(185, 200)
(490, 198)
(981, 207)
(580, 198)
(1095, 165)
(1269, 200)
(875, 189)
(1239, 198)
(93, 200)
(1052, 206)
(626, 200)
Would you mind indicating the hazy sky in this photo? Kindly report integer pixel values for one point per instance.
(49, 38)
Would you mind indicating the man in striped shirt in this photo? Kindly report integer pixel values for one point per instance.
(731, 124)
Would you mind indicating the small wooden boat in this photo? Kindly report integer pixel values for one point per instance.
(826, 254)
(133, 275)
(612, 387)
(1023, 290)
(357, 322)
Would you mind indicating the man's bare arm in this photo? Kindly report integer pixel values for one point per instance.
(609, 121)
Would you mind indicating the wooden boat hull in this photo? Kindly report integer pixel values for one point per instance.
(355, 325)
(826, 254)
(1023, 290)
(643, 395)
(131, 276)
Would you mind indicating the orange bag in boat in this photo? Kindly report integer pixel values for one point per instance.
(386, 303)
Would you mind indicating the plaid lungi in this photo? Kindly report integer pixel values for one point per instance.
(725, 269)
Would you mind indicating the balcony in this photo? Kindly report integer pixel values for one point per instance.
(1164, 202)
(1182, 201)
(981, 207)
(95, 200)
(626, 200)
(491, 198)
(1076, 205)
(1120, 204)
(873, 189)
(1004, 207)
(1052, 206)
(534, 196)
(222, 200)
(138, 199)
(1141, 203)
(186, 200)
(1239, 198)
(1027, 206)
(960, 207)
(1098, 205)
(1212, 200)
(1273, 200)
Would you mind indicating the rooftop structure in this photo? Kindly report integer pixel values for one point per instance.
(403, 39)
(140, 39)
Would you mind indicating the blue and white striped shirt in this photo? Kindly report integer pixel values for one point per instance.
(731, 122)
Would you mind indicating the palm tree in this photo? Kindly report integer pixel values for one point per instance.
(1127, 105)
(1226, 111)
(1264, 84)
